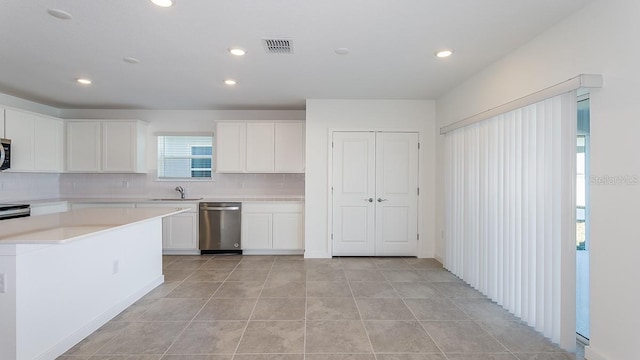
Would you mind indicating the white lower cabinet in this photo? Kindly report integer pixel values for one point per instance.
(180, 231)
(257, 230)
(272, 227)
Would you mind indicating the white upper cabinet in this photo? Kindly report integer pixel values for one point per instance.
(259, 147)
(2, 123)
(36, 141)
(83, 146)
(230, 147)
(289, 147)
(123, 145)
(106, 146)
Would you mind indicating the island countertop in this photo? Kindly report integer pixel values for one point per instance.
(75, 224)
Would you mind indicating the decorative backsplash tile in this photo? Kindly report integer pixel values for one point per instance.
(28, 186)
(145, 185)
(31, 186)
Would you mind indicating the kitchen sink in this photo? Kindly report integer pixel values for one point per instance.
(177, 199)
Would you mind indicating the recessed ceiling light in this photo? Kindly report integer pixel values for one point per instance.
(444, 53)
(83, 81)
(230, 82)
(164, 3)
(130, 60)
(59, 14)
(237, 51)
(342, 51)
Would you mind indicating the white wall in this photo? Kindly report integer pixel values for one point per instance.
(599, 39)
(326, 115)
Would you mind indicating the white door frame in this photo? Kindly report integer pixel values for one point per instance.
(330, 132)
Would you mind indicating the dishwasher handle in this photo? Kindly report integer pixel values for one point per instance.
(220, 208)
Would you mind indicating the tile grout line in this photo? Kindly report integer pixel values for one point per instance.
(419, 321)
(358, 308)
(139, 316)
(235, 352)
(479, 325)
(203, 305)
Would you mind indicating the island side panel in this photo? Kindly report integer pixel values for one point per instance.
(8, 306)
(67, 291)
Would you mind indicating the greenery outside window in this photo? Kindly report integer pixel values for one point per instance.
(185, 157)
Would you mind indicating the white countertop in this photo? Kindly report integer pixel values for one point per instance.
(76, 224)
(236, 198)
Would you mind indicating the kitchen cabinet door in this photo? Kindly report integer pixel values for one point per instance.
(230, 147)
(123, 142)
(48, 144)
(289, 147)
(273, 227)
(36, 141)
(260, 147)
(180, 232)
(106, 146)
(288, 231)
(256, 231)
(19, 127)
(2, 123)
(83, 146)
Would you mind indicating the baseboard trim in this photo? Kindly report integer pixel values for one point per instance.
(180, 252)
(590, 354)
(272, 252)
(316, 255)
(93, 325)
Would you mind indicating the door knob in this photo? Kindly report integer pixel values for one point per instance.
(381, 200)
(369, 199)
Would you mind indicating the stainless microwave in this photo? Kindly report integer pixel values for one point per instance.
(5, 154)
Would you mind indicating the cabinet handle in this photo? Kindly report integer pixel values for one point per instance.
(369, 199)
(381, 200)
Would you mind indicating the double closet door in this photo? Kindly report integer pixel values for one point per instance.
(375, 194)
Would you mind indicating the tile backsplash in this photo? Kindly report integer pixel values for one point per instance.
(28, 186)
(146, 185)
(31, 186)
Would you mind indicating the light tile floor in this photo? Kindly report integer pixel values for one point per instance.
(288, 308)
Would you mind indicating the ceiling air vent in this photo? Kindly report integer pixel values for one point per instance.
(278, 46)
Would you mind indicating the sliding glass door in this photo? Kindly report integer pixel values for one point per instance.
(582, 219)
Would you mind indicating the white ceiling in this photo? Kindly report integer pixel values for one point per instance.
(184, 57)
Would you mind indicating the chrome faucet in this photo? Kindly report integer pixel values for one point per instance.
(180, 189)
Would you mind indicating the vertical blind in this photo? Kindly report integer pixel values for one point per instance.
(510, 212)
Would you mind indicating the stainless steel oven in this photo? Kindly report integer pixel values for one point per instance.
(5, 154)
(12, 211)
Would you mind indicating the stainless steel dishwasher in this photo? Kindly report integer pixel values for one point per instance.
(220, 227)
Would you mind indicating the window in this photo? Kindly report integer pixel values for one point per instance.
(185, 157)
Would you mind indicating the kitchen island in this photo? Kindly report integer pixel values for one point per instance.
(64, 275)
